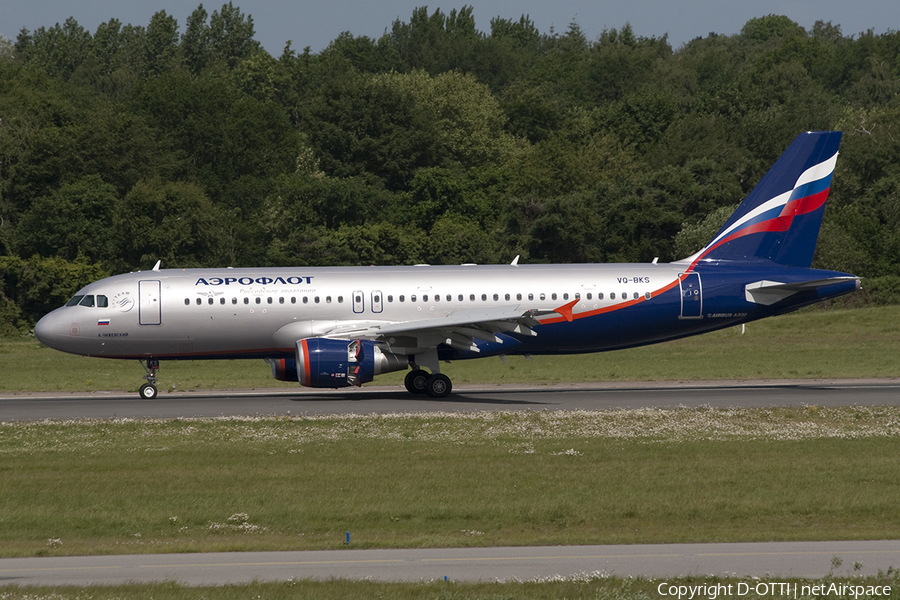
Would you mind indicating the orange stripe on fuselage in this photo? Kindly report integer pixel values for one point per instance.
(567, 309)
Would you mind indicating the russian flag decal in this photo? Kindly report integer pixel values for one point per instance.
(103, 322)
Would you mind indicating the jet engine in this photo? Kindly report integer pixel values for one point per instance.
(328, 363)
(283, 369)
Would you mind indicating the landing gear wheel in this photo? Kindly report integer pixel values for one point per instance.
(415, 381)
(148, 391)
(438, 386)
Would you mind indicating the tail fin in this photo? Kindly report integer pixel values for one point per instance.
(780, 219)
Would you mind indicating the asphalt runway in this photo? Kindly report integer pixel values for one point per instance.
(768, 561)
(771, 562)
(380, 400)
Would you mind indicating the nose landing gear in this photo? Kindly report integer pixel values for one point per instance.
(148, 390)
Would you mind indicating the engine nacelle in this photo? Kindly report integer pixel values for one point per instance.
(283, 369)
(328, 363)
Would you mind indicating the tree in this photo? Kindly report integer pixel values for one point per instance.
(227, 38)
(368, 126)
(72, 222)
(173, 222)
(468, 123)
(435, 43)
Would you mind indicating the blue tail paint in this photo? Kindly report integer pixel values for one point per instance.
(779, 221)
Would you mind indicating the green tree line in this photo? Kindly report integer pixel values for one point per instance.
(435, 143)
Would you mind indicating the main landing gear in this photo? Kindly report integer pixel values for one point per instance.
(435, 385)
(148, 390)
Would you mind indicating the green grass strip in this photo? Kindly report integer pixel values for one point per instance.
(593, 586)
(447, 479)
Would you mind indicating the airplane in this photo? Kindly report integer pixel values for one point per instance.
(334, 327)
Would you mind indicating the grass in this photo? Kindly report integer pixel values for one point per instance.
(448, 480)
(860, 343)
(587, 586)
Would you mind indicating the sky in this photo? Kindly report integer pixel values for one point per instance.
(315, 23)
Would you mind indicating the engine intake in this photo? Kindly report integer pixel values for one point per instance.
(329, 363)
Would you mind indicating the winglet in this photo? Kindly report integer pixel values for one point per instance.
(566, 310)
(515, 261)
(158, 263)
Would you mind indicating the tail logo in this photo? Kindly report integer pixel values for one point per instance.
(777, 214)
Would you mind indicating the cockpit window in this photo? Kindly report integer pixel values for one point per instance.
(102, 301)
(74, 301)
(87, 301)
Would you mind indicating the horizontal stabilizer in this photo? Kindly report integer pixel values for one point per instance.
(770, 292)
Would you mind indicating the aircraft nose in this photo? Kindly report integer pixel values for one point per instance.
(47, 331)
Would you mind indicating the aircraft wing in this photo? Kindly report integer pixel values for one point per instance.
(460, 328)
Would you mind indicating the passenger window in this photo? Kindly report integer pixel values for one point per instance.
(449, 298)
(612, 296)
(589, 296)
(460, 297)
(647, 295)
(199, 301)
(269, 300)
(222, 300)
(281, 300)
(553, 296)
(316, 299)
(472, 297)
(187, 301)
(402, 298)
(246, 300)
(496, 297)
(437, 297)
(305, 300)
(234, 300)
(424, 297)
(531, 296)
(506, 296)
(74, 301)
(543, 296)
(565, 296)
(87, 301)
(327, 299)
(484, 297)
(258, 300)
(293, 299)
(577, 296)
(102, 301)
(636, 295)
(599, 296)
(209, 301)
(340, 299)
(412, 298)
(518, 296)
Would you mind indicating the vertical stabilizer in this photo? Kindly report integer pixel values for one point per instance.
(780, 219)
